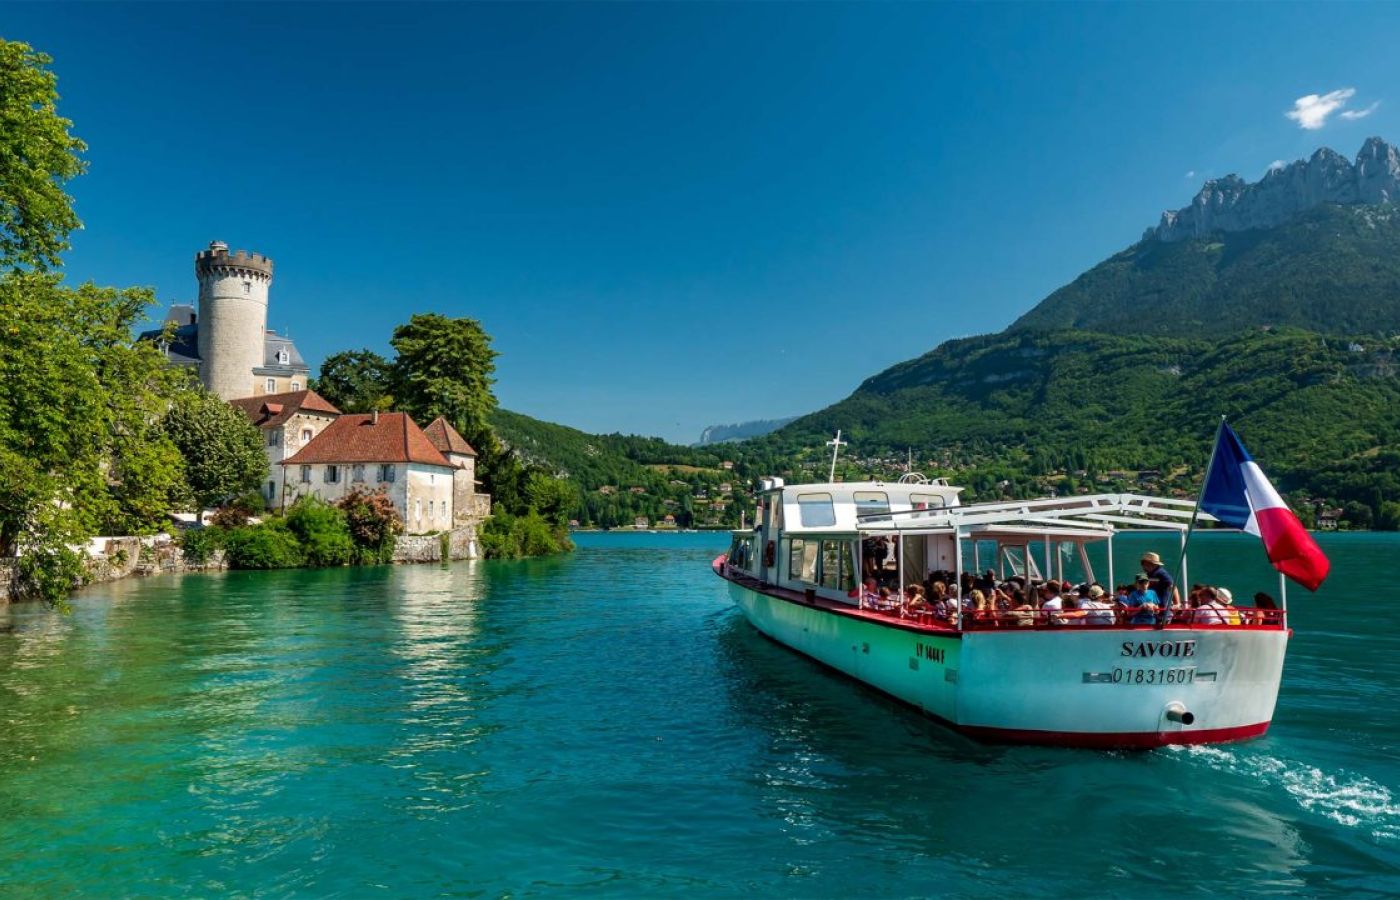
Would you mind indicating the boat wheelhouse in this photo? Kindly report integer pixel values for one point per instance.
(1025, 674)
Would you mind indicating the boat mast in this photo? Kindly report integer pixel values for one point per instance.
(835, 444)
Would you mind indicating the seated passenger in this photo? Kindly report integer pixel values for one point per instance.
(914, 602)
(869, 595)
(1051, 602)
(1140, 606)
(1227, 600)
(1209, 610)
(884, 601)
(1022, 613)
(1095, 609)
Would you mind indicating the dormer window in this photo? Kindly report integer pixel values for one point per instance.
(283, 357)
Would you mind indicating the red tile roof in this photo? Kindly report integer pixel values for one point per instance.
(446, 438)
(365, 438)
(271, 410)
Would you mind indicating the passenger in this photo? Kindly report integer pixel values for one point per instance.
(1162, 584)
(981, 607)
(869, 595)
(1227, 600)
(1022, 613)
(1051, 603)
(884, 601)
(1140, 606)
(1209, 610)
(1265, 609)
(914, 602)
(1096, 610)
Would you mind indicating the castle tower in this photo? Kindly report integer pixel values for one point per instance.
(232, 318)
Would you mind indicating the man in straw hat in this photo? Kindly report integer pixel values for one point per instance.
(1162, 585)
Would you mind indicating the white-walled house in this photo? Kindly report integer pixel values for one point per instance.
(288, 422)
(467, 505)
(376, 451)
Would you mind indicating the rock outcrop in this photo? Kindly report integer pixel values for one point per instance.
(1233, 204)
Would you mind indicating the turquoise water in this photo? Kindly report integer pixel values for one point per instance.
(607, 724)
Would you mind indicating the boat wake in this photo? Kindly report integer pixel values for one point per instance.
(1348, 799)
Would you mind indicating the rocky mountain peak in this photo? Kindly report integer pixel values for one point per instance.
(1233, 204)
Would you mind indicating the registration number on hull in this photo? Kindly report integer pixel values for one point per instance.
(1154, 676)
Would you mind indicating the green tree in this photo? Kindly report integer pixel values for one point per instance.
(38, 157)
(322, 532)
(78, 451)
(223, 451)
(444, 368)
(356, 381)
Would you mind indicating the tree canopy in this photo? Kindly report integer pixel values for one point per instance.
(38, 156)
(223, 451)
(445, 367)
(356, 381)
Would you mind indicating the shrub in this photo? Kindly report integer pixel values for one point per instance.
(373, 524)
(198, 544)
(505, 536)
(270, 545)
(322, 531)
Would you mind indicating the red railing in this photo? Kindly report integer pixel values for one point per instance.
(1024, 617)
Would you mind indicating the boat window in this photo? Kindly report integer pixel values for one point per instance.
(816, 510)
(872, 506)
(837, 569)
(802, 561)
(926, 501)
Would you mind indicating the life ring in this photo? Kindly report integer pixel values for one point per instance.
(770, 553)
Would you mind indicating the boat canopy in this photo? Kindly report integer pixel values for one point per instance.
(1090, 517)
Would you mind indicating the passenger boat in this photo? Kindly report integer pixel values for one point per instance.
(1023, 678)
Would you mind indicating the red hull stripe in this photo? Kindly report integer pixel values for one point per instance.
(1111, 740)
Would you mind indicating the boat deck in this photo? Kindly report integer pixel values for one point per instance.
(999, 620)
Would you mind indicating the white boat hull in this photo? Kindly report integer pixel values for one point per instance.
(1074, 686)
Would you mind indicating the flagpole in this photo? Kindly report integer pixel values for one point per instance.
(1191, 526)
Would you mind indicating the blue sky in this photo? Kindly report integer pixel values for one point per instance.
(670, 216)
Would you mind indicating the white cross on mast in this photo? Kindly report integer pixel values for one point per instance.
(835, 444)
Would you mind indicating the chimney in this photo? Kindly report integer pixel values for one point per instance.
(375, 418)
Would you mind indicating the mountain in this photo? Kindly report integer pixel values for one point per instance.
(1276, 304)
(719, 434)
(1232, 204)
(1333, 269)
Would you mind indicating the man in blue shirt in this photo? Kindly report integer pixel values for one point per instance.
(1162, 584)
(1140, 605)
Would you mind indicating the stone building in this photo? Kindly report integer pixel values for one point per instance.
(376, 451)
(467, 505)
(288, 422)
(227, 340)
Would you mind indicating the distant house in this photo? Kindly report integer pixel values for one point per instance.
(288, 422)
(727, 465)
(377, 451)
(641, 522)
(1328, 518)
(726, 488)
(637, 490)
(608, 489)
(669, 521)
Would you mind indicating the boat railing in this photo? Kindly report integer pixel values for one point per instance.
(1231, 618)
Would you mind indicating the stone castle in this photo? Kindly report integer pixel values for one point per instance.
(227, 340)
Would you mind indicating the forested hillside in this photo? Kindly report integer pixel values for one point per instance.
(1335, 269)
(621, 477)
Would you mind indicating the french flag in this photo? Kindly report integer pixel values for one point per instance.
(1237, 493)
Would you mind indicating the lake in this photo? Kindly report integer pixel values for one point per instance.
(607, 724)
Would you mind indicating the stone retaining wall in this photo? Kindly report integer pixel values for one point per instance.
(460, 544)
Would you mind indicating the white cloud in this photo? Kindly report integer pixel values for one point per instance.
(1311, 112)
(1351, 115)
(1276, 165)
(1191, 174)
